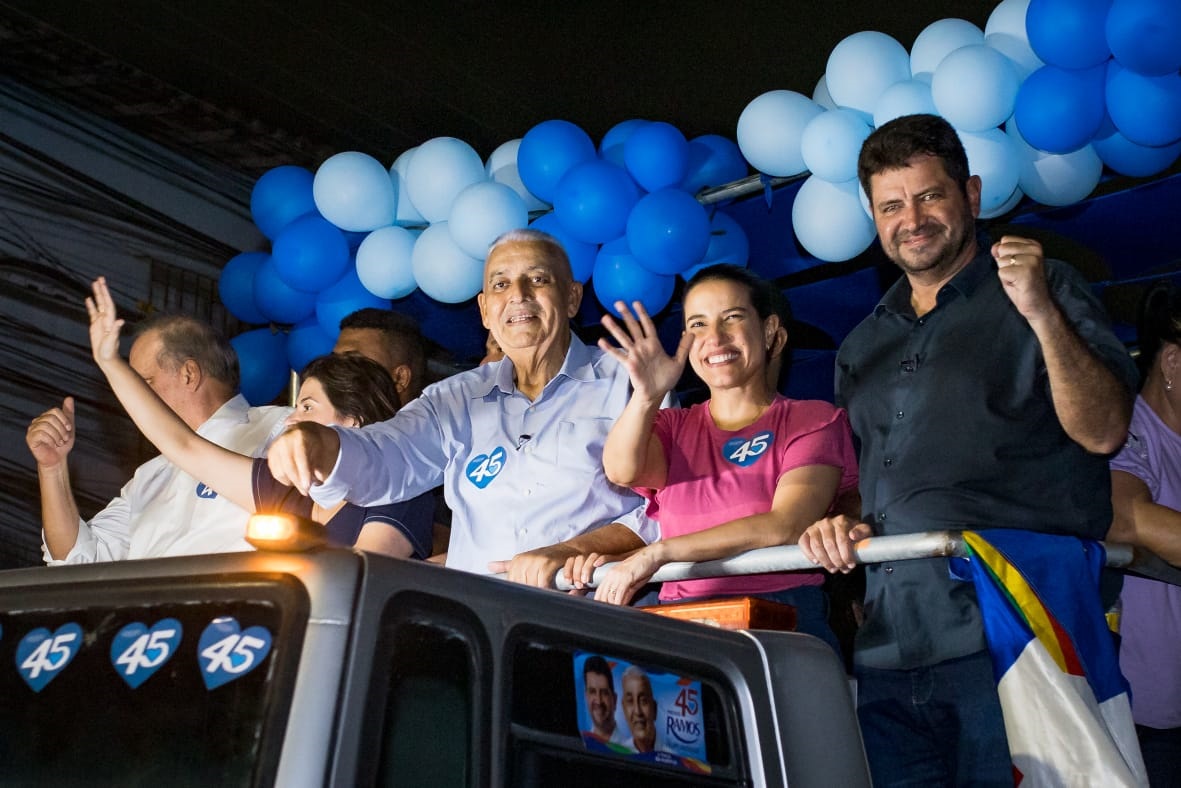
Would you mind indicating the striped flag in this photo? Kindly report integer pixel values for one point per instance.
(1066, 706)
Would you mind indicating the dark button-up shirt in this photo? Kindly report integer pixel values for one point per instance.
(957, 430)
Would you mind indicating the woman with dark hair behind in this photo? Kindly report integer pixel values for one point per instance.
(1146, 498)
(342, 390)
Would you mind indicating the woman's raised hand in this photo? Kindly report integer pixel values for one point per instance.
(653, 371)
(104, 325)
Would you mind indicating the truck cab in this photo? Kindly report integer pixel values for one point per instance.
(336, 667)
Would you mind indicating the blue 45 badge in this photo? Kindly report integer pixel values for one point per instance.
(137, 651)
(227, 652)
(485, 467)
(745, 451)
(41, 655)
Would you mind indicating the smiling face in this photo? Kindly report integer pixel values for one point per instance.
(639, 708)
(528, 300)
(925, 222)
(730, 339)
(313, 405)
(600, 702)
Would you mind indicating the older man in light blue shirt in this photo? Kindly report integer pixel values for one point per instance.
(517, 444)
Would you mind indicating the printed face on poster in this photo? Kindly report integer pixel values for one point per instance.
(639, 712)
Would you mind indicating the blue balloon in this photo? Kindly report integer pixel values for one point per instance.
(235, 286)
(342, 299)
(994, 157)
(383, 262)
(668, 231)
(1146, 110)
(727, 244)
(581, 254)
(277, 300)
(862, 66)
(439, 170)
(910, 97)
(262, 359)
(1127, 158)
(770, 129)
(974, 88)
(714, 160)
(281, 196)
(1059, 110)
(482, 213)
(611, 147)
(306, 341)
(831, 143)
(657, 156)
(594, 199)
(938, 40)
(1144, 35)
(444, 271)
(310, 254)
(1055, 179)
(547, 152)
(829, 221)
(1069, 33)
(353, 191)
(618, 276)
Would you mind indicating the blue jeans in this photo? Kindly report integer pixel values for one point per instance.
(938, 725)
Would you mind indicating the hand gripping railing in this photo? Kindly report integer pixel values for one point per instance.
(875, 550)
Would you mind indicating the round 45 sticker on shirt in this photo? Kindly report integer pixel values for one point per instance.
(745, 451)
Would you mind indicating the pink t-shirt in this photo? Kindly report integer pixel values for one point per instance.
(715, 476)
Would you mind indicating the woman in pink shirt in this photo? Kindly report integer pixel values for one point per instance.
(748, 468)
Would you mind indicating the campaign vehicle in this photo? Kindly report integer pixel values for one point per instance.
(336, 667)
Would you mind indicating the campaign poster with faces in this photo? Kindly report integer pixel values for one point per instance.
(639, 712)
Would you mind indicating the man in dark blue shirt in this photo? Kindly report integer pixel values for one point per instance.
(983, 390)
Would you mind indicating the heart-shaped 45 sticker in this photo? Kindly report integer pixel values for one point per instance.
(41, 655)
(226, 652)
(485, 467)
(137, 652)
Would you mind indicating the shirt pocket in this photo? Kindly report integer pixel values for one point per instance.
(580, 445)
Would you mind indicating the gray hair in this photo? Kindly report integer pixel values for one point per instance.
(554, 251)
(183, 337)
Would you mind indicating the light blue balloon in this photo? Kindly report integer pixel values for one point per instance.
(911, 97)
(1146, 110)
(668, 231)
(612, 145)
(310, 253)
(829, 221)
(548, 151)
(235, 286)
(277, 300)
(974, 88)
(727, 244)
(862, 66)
(938, 40)
(482, 213)
(994, 157)
(1055, 179)
(831, 143)
(594, 199)
(821, 95)
(1008, 205)
(1059, 110)
(407, 214)
(770, 130)
(443, 271)
(501, 167)
(281, 196)
(307, 341)
(618, 276)
(1069, 33)
(439, 170)
(262, 362)
(1128, 158)
(1005, 32)
(383, 262)
(1145, 35)
(657, 156)
(340, 300)
(581, 254)
(353, 191)
(714, 161)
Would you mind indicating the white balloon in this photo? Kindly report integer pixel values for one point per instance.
(440, 169)
(829, 221)
(501, 167)
(481, 213)
(1005, 32)
(407, 213)
(862, 66)
(770, 130)
(353, 191)
(1052, 178)
(992, 156)
(384, 262)
(442, 270)
(937, 41)
(911, 97)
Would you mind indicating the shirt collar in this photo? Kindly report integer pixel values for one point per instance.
(578, 365)
(897, 298)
